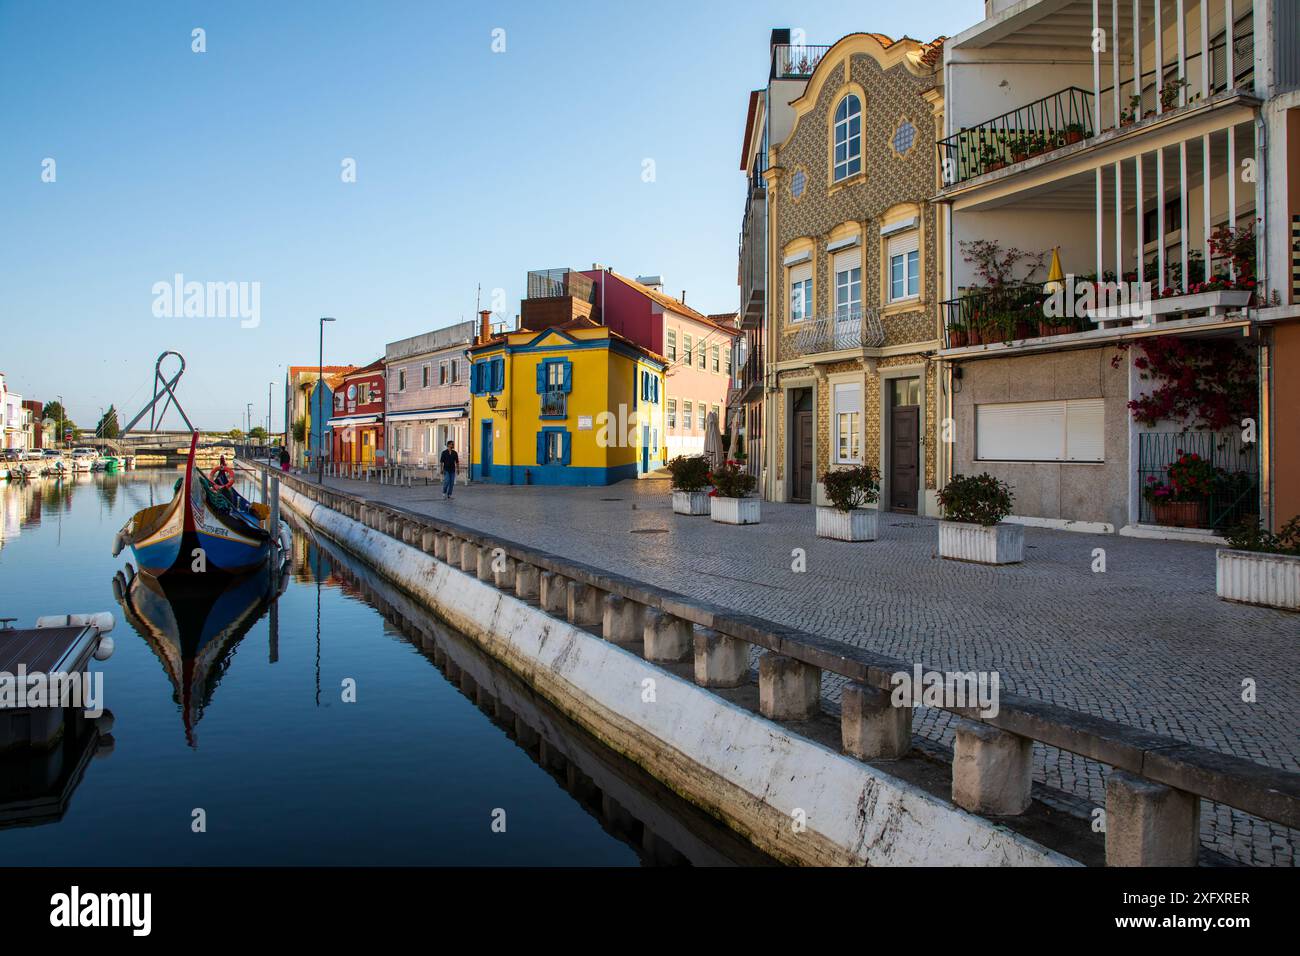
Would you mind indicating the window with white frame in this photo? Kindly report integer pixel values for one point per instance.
(442, 373)
(846, 413)
(800, 292)
(670, 340)
(1070, 430)
(701, 354)
(455, 371)
(686, 416)
(904, 257)
(848, 138)
(848, 283)
(424, 376)
(703, 416)
(672, 413)
(401, 380)
(686, 349)
(717, 358)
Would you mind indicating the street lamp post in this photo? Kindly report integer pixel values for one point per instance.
(59, 438)
(269, 386)
(320, 401)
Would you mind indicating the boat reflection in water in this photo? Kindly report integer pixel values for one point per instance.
(194, 627)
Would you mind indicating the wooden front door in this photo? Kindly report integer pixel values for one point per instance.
(904, 460)
(801, 489)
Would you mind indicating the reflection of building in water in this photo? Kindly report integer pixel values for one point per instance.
(194, 630)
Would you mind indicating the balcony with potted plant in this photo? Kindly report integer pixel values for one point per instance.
(731, 501)
(849, 490)
(690, 485)
(972, 528)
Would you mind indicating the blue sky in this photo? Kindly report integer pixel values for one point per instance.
(472, 167)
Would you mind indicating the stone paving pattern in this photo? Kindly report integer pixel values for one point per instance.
(1146, 643)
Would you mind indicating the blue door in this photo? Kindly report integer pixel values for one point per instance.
(485, 452)
(645, 449)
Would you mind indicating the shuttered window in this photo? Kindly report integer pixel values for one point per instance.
(847, 416)
(904, 266)
(1071, 430)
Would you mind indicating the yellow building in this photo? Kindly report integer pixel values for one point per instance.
(568, 404)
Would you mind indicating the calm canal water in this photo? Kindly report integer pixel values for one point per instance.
(236, 707)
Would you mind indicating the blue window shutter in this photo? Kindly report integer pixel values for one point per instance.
(568, 376)
(473, 379)
(541, 447)
(568, 446)
(541, 377)
(498, 374)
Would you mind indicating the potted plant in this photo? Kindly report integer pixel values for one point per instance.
(1182, 501)
(690, 485)
(848, 490)
(1074, 133)
(1129, 116)
(1019, 147)
(1259, 567)
(991, 158)
(958, 335)
(729, 501)
(1169, 93)
(972, 528)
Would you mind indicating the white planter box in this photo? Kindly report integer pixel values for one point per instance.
(734, 510)
(691, 502)
(860, 524)
(1215, 302)
(1251, 577)
(985, 544)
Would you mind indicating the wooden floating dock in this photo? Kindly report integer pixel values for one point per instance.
(59, 649)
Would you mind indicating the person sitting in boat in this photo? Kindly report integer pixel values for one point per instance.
(223, 479)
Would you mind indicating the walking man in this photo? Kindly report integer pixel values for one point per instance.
(449, 460)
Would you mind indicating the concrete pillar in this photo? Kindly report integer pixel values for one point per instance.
(788, 689)
(469, 557)
(720, 660)
(871, 727)
(552, 588)
(1150, 824)
(440, 542)
(586, 604)
(991, 769)
(484, 567)
(427, 540)
(667, 637)
(526, 581)
(503, 575)
(527, 737)
(622, 620)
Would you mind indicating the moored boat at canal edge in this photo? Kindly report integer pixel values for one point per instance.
(202, 530)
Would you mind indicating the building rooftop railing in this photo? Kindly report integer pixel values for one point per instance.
(559, 284)
(796, 61)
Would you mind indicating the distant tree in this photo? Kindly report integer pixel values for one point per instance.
(56, 413)
(257, 433)
(235, 433)
(108, 427)
(300, 430)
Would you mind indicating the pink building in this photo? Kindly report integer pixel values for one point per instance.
(699, 349)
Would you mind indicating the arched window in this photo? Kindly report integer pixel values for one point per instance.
(848, 138)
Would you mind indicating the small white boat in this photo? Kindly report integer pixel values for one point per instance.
(83, 459)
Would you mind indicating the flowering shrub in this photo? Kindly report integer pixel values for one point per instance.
(850, 488)
(729, 480)
(1209, 383)
(1190, 478)
(1249, 536)
(689, 474)
(975, 499)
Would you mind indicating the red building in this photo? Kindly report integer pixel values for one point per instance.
(38, 433)
(357, 426)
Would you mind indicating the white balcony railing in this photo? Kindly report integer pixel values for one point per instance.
(843, 330)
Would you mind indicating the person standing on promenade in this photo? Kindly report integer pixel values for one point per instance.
(450, 461)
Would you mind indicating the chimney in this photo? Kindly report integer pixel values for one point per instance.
(683, 297)
(484, 325)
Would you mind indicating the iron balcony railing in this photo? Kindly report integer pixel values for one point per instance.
(554, 403)
(842, 330)
(1234, 494)
(1057, 120)
(795, 61)
(1012, 311)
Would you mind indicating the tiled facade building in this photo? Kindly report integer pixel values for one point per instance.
(854, 271)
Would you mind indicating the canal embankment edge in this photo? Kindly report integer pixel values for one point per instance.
(792, 797)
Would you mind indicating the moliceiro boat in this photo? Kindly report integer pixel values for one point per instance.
(232, 533)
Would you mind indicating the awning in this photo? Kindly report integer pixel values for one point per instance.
(427, 414)
(353, 420)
